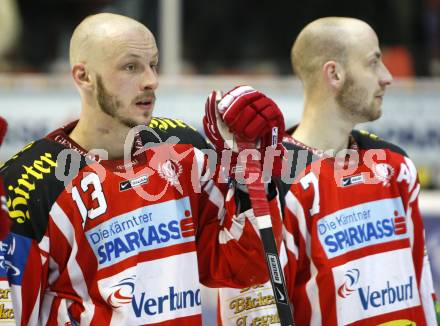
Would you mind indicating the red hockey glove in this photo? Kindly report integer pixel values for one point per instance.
(249, 115)
(210, 121)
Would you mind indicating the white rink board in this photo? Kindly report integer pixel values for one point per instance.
(35, 104)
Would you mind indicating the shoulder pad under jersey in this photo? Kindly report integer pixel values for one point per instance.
(32, 185)
(164, 128)
(368, 140)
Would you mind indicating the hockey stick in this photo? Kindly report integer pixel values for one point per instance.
(260, 205)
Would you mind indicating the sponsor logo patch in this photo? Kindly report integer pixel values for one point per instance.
(130, 184)
(18, 194)
(6, 309)
(14, 252)
(150, 292)
(352, 180)
(275, 270)
(250, 306)
(147, 228)
(375, 285)
(145, 305)
(276, 276)
(348, 287)
(122, 293)
(361, 226)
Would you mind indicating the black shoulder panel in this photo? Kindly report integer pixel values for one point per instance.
(32, 185)
(298, 159)
(367, 140)
(164, 128)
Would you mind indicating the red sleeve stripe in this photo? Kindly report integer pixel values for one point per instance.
(31, 286)
(54, 271)
(409, 213)
(253, 221)
(33, 319)
(289, 241)
(235, 230)
(215, 195)
(44, 249)
(413, 173)
(313, 295)
(62, 221)
(295, 208)
(17, 303)
(199, 159)
(47, 308)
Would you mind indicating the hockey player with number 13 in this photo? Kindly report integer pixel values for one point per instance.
(119, 242)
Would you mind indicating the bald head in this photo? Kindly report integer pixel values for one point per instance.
(95, 35)
(323, 40)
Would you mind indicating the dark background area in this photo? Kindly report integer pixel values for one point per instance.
(241, 36)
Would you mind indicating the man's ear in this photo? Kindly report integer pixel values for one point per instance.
(334, 74)
(81, 76)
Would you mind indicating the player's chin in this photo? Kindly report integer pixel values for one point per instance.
(375, 114)
(143, 117)
(135, 121)
(148, 120)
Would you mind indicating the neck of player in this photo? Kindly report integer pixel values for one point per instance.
(101, 132)
(323, 127)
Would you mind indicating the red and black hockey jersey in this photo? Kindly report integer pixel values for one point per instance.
(120, 243)
(355, 239)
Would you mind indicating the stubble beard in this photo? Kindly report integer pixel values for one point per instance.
(110, 104)
(353, 99)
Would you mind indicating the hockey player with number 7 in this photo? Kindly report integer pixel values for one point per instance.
(97, 240)
(353, 232)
